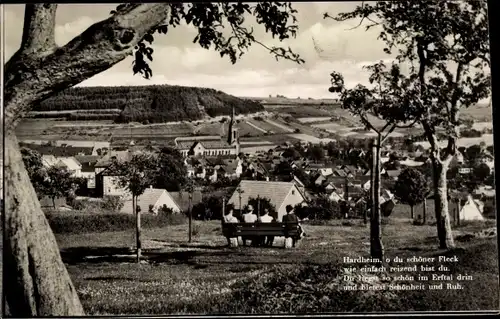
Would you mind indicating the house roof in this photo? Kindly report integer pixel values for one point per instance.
(182, 199)
(58, 151)
(340, 172)
(49, 160)
(393, 173)
(276, 192)
(105, 161)
(88, 162)
(350, 169)
(72, 143)
(214, 144)
(149, 197)
(183, 145)
(83, 159)
(70, 162)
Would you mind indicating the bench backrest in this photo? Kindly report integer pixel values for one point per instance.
(260, 229)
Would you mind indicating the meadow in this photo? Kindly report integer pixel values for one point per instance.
(206, 277)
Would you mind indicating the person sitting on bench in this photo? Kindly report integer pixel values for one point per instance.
(229, 218)
(266, 218)
(290, 217)
(249, 217)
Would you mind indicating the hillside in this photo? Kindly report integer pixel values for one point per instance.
(155, 103)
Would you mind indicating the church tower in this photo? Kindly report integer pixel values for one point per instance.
(233, 137)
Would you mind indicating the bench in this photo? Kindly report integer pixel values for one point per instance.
(235, 230)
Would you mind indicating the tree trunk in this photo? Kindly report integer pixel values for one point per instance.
(443, 223)
(376, 246)
(38, 282)
(424, 211)
(190, 219)
(137, 229)
(54, 202)
(412, 216)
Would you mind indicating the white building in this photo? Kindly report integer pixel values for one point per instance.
(280, 194)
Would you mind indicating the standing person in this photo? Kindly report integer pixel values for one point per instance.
(249, 217)
(266, 218)
(290, 217)
(229, 218)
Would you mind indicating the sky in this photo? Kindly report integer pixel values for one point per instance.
(178, 61)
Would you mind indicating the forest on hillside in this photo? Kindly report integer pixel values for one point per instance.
(153, 104)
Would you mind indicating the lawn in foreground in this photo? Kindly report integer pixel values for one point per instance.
(206, 277)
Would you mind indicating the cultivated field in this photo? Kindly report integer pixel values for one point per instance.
(313, 121)
(205, 277)
(465, 141)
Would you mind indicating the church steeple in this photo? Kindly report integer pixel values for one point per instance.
(230, 134)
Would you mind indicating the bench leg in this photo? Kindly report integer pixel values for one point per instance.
(233, 242)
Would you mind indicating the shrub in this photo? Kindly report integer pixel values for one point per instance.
(79, 223)
(112, 203)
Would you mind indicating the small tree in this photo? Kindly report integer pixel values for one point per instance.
(135, 176)
(480, 173)
(172, 173)
(36, 170)
(58, 182)
(411, 188)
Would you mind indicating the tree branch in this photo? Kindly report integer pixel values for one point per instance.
(29, 80)
(38, 31)
(409, 125)
(388, 133)
(368, 124)
(433, 141)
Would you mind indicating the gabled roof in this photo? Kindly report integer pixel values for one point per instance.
(70, 162)
(393, 173)
(106, 160)
(213, 144)
(349, 169)
(149, 197)
(83, 159)
(276, 192)
(58, 150)
(340, 172)
(182, 199)
(49, 160)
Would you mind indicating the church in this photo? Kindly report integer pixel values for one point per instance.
(211, 145)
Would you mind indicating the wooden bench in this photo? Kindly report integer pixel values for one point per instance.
(235, 230)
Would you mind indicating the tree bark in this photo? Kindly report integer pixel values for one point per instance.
(38, 282)
(425, 211)
(443, 223)
(376, 246)
(190, 219)
(137, 229)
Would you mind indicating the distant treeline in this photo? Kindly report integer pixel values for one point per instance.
(156, 103)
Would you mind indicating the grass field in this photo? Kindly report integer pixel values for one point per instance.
(205, 277)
